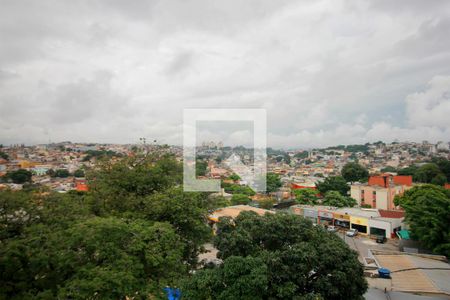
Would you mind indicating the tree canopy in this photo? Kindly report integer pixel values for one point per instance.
(333, 183)
(334, 198)
(354, 172)
(437, 171)
(444, 166)
(234, 177)
(278, 256)
(239, 199)
(411, 170)
(273, 182)
(62, 173)
(4, 155)
(237, 189)
(306, 196)
(79, 173)
(302, 155)
(427, 207)
(134, 232)
(19, 176)
(430, 173)
(201, 166)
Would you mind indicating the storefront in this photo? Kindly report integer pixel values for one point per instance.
(380, 228)
(325, 218)
(385, 227)
(341, 220)
(360, 224)
(310, 214)
(297, 210)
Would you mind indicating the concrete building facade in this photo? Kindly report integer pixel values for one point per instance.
(380, 191)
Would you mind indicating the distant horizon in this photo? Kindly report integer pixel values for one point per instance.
(224, 146)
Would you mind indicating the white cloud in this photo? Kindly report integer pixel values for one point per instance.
(431, 107)
(329, 71)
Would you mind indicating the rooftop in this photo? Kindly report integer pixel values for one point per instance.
(234, 211)
(416, 273)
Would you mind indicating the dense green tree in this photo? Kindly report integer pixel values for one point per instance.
(4, 155)
(62, 173)
(278, 256)
(79, 173)
(237, 199)
(132, 234)
(100, 154)
(306, 196)
(389, 169)
(119, 186)
(16, 213)
(429, 172)
(354, 172)
(266, 203)
(234, 177)
(439, 179)
(238, 189)
(411, 170)
(302, 155)
(242, 277)
(100, 258)
(333, 183)
(186, 212)
(51, 172)
(273, 182)
(19, 176)
(334, 198)
(444, 166)
(201, 167)
(427, 213)
(214, 202)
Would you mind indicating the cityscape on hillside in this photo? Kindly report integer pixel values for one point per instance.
(61, 166)
(359, 193)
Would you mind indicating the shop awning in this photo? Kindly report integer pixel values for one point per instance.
(403, 234)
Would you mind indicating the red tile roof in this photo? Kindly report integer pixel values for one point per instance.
(395, 214)
(378, 180)
(403, 180)
(81, 186)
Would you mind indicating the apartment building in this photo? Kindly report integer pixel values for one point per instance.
(380, 191)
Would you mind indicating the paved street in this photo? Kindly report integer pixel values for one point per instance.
(362, 244)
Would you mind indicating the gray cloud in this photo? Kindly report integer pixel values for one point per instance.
(326, 71)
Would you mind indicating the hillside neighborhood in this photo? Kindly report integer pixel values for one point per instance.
(362, 194)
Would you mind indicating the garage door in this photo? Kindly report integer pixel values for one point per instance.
(360, 228)
(377, 231)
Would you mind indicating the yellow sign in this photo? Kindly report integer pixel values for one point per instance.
(341, 216)
(359, 221)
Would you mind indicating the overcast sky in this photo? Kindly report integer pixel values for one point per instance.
(328, 72)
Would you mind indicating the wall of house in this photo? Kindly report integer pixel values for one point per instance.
(381, 225)
(382, 198)
(355, 193)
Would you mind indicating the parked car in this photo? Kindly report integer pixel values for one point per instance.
(351, 232)
(331, 228)
(381, 239)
